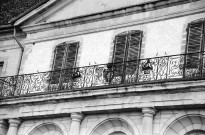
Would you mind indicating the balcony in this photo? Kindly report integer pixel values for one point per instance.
(158, 69)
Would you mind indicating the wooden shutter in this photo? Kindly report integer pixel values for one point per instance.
(72, 51)
(58, 63)
(194, 44)
(134, 45)
(127, 48)
(59, 57)
(65, 57)
(120, 47)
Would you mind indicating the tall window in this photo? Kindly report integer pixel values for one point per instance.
(65, 55)
(195, 43)
(127, 48)
(65, 58)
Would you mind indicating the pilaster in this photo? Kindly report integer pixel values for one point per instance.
(13, 126)
(147, 124)
(76, 119)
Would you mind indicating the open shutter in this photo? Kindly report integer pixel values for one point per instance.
(120, 47)
(194, 44)
(72, 51)
(59, 57)
(58, 63)
(135, 38)
(133, 51)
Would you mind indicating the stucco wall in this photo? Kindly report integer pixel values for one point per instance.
(162, 38)
(11, 61)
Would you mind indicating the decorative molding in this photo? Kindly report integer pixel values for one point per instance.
(148, 111)
(14, 122)
(149, 6)
(76, 116)
(180, 13)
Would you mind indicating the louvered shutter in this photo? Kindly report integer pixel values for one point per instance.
(58, 63)
(120, 48)
(65, 57)
(133, 51)
(59, 57)
(194, 44)
(135, 38)
(127, 48)
(72, 51)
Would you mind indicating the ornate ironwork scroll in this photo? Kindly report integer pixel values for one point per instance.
(152, 69)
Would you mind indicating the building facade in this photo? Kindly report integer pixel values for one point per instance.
(104, 67)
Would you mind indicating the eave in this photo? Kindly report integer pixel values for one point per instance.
(153, 5)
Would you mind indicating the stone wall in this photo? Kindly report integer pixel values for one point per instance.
(166, 122)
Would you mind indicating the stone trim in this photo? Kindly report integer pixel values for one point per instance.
(142, 48)
(148, 111)
(14, 122)
(77, 116)
(186, 128)
(149, 6)
(178, 117)
(44, 123)
(121, 118)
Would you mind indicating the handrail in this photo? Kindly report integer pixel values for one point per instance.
(111, 74)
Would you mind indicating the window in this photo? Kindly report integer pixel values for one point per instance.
(65, 55)
(126, 53)
(127, 46)
(65, 58)
(195, 43)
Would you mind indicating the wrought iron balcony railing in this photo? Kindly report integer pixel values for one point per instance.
(175, 67)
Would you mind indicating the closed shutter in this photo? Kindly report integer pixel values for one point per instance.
(120, 47)
(135, 38)
(127, 48)
(194, 44)
(65, 58)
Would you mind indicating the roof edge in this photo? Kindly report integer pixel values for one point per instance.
(14, 21)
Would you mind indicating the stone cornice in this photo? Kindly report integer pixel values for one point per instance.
(143, 89)
(153, 5)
